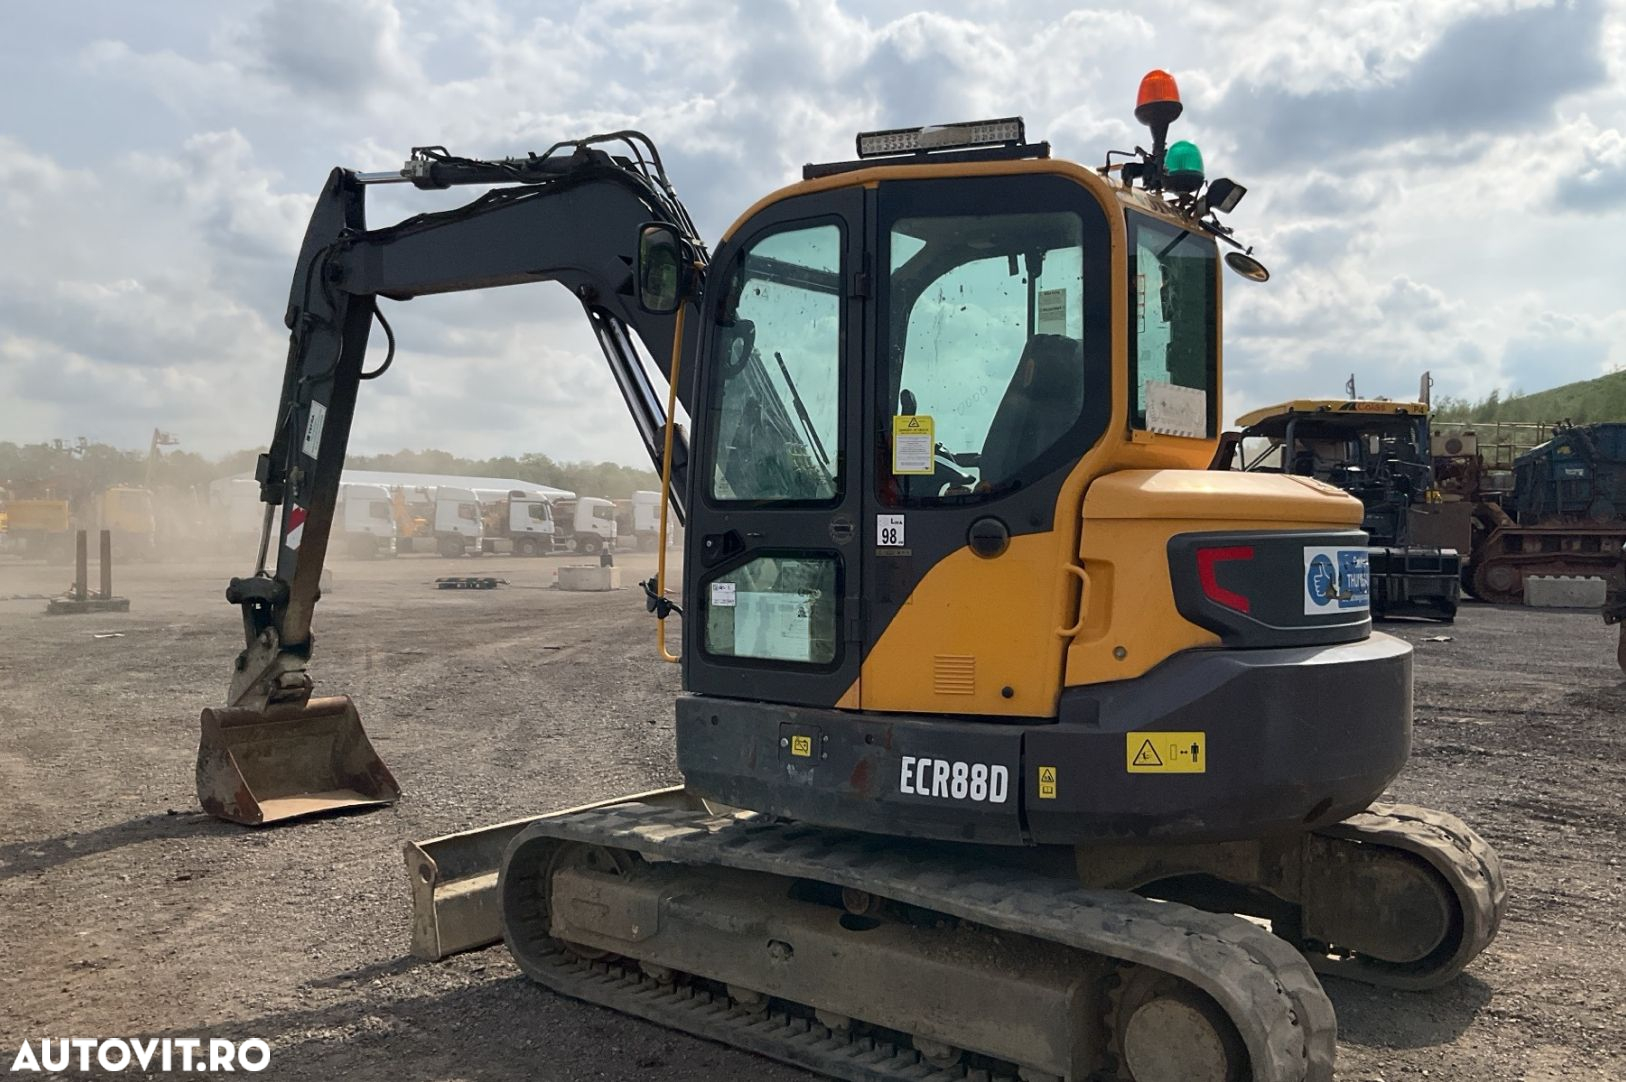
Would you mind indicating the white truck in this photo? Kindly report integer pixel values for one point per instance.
(366, 520)
(457, 525)
(646, 522)
(516, 522)
(584, 524)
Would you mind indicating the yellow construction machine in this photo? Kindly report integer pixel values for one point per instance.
(40, 528)
(999, 707)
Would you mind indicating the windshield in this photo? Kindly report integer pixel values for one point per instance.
(1173, 316)
(1358, 451)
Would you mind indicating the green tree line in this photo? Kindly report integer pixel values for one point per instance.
(76, 471)
(1601, 399)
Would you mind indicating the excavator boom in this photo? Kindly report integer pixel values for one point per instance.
(570, 215)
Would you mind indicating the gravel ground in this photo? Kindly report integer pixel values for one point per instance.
(127, 913)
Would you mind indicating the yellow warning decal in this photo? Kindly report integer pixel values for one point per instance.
(1047, 783)
(1166, 753)
(913, 444)
(802, 745)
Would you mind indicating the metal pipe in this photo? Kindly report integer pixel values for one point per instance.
(107, 565)
(666, 484)
(81, 570)
(394, 177)
(265, 538)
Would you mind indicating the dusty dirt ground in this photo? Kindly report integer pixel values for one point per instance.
(127, 913)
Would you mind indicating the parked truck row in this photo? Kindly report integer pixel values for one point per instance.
(378, 518)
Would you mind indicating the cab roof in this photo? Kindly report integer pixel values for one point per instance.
(1330, 408)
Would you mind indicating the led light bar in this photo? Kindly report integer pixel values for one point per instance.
(1007, 131)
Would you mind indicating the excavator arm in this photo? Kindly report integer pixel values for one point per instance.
(570, 215)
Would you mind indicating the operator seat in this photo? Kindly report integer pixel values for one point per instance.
(1042, 401)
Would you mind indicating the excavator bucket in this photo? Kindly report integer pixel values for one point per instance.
(455, 903)
(264, 766)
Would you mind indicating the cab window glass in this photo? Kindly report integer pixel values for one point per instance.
(775, 608)
(777, 356)
(1173, 356)
(986, 333)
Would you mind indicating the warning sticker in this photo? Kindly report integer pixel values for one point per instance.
(802, 745)
(1166, 753)
(723, 594)
(1052, 311)
(1336, 579)
(1047, 783)
(296, 527)
(912, 444)
(1176, 411)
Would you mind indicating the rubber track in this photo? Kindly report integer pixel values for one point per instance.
(1262, 983)
(1467, 863)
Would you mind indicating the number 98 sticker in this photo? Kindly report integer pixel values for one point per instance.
(888, 531)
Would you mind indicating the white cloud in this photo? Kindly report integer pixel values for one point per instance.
(1433, 184)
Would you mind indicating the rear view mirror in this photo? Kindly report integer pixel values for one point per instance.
(1247, 266)
(665, 269)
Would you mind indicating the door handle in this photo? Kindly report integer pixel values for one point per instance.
(717, 547)
(1083, 602)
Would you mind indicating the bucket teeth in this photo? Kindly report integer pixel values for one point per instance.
(287, 762)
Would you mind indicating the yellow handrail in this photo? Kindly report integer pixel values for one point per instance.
(666, 479)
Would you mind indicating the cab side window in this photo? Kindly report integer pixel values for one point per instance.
(778, 357)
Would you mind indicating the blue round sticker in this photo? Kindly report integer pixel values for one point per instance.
(1321, 580)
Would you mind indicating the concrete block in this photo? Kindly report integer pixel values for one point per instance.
(1565, 591)
(589, 578)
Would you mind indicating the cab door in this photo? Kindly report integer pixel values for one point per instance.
(772, 575)
(992, 323)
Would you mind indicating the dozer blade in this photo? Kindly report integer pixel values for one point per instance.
(455, 904)
(284, 762)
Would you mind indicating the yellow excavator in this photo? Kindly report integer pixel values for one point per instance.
(1000, 709)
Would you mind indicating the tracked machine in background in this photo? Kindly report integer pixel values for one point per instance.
(1377, 451)
(1534, 500)
(979, 658)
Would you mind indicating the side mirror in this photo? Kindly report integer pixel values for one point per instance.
(665, 270)
(1247, 266)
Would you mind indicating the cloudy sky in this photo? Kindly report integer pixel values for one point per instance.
(1435, 185)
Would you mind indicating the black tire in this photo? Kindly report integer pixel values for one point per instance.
(591, 544)
(525, 547)
(450, 546)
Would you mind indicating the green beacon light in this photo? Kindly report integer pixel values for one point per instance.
(1183, 167)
